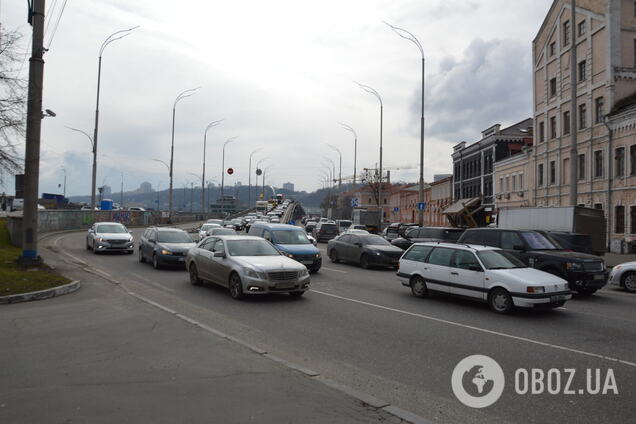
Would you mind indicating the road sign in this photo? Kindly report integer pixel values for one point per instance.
(355, 202)
(396, 209)
(421, 206)
(230, 171)
(259, 171)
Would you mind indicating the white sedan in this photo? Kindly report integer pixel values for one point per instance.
(483, 273)
(624, 275)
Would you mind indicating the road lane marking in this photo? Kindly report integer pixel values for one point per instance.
(152, 283)
(335, 270)
(482, 330)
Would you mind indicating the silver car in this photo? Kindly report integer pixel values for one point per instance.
(624, 275)
(104, 236)
(246, 265)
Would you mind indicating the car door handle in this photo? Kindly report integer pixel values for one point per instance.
(454, 273)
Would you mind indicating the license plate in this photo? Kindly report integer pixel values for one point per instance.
(599, 277)
(557, 298)
(307, 262)
(284, 285)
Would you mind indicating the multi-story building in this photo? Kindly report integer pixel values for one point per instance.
(288, 186)
(514, 179)
(440, 198)
(473, 165)
(605, 40)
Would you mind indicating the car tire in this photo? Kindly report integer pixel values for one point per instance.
(296, 294)
(364, 261)
(418, 287)
(333, 256)
(235, 286)
(93, 249)
(629, 282)
(88, 246)
(155, 262)
(194, 275)
(141, 257)
(500, 301)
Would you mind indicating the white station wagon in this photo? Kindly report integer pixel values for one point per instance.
(479, 272)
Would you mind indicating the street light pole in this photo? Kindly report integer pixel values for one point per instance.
(410, 37)
(64, 170)
(339, 165)
(228, 141)
(355, 149)
(371, 90)
(118, 35)
(249, 184)
(205, 142)
(182, 95)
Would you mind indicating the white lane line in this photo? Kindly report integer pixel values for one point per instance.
(152, 283)
(482, 330)
(334, 270)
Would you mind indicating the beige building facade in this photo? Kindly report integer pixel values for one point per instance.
(605, 45)
(514, 178)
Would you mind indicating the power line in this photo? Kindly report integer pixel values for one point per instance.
(59, 18)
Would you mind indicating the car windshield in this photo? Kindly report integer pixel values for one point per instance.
(373, 240)
(538, 241)
(111, 228)
(290, 237)
(173, 237)
(495, 259)
(222, 232)
(251, 248)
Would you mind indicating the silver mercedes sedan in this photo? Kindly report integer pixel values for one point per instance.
(246, 265)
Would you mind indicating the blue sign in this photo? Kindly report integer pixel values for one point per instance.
(396, 209)
(421, 206)
(355, 202)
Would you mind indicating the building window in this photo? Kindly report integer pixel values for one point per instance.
(540, 174)
(541, 132)
(553, 87)
(635, 53)
(632, 219)
(619, 158)
(581, 28)
(566, 122)
(565, 169)
(501, 186)
(581, 167)
(598, 163)
(582, 74)
(619, 227)
(552, 48)
(632, 159)
(598, 110)
(598, 206)
(553, 127)
(507, 184)
(552, 172)
(582, 116)
(520, 181)
(566, 33)
(514, 183)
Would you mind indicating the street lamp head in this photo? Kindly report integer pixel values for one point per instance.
(348, 128)
(118, 35)
(407, 36)
(214, 124)
(184, 94)
(370, 90)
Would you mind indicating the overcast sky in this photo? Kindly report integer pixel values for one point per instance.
(280, 75)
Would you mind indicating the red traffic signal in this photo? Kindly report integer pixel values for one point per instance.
(230, 171)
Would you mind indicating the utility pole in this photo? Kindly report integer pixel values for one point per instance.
(32, 151)
(121, 197)
(573, 110)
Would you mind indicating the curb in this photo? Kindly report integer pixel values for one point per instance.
(41, 294)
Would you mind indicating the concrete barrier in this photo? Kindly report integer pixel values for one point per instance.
(60, 219)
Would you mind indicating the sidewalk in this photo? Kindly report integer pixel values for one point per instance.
(102, 356)
(613, 259)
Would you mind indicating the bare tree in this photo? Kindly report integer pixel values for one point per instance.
(12, 103)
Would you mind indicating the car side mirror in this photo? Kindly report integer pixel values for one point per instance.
(219, 254)
(474, 268)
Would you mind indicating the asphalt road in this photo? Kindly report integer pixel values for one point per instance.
(362, 328)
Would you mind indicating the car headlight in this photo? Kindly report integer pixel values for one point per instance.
(574, 266)
(99, 239)
(535, 289)
(166, 252)
(254, 274)
(289, 255)
(304, 272)
(378, 253)
(317, 255)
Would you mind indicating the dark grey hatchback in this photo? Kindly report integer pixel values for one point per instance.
(164, 246)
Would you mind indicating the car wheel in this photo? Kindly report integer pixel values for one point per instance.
(88, 246)
(364, 261)
(333, 256)
(629, 282)
(155, 262)
(500, 301)
(418, 287)
(94, 250)
(141, 257)
(296, 293)
(236, 287)
(194, 276)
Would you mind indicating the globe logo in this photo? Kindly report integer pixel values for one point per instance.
(478, 381)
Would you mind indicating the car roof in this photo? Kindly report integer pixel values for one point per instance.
(237, 237)
(108, 222)
(473, 247)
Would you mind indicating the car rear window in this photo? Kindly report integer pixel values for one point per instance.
(417, 253)
(328, 227)
(440, 256)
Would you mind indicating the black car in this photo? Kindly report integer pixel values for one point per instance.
(585, 273)
(365, 250)
(571, 241)
(164, 246)
(325, 231)
(424, 234)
